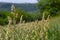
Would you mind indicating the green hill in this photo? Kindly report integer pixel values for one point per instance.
(26, 7)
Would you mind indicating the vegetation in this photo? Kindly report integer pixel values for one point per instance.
(28, 17)
(16, 13)
(3, 17)
(24, 6)
(49, 7)
(38, 30)
(20, 27)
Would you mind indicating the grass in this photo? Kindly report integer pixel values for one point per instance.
(39, 30)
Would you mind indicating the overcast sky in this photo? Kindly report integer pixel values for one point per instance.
(20, 1)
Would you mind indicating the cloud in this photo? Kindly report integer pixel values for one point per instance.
(20, 1)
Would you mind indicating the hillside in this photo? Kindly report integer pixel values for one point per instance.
(26, 7)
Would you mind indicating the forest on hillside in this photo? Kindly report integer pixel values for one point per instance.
(30, 12)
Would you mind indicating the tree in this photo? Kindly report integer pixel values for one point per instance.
(4, 17)
(50, 6)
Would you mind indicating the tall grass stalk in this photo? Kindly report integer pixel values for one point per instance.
(46, 29)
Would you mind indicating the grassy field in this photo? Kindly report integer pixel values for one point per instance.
(39, 30)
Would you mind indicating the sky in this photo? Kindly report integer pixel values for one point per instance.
(19, 1)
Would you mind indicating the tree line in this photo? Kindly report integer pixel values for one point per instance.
(46, 7)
